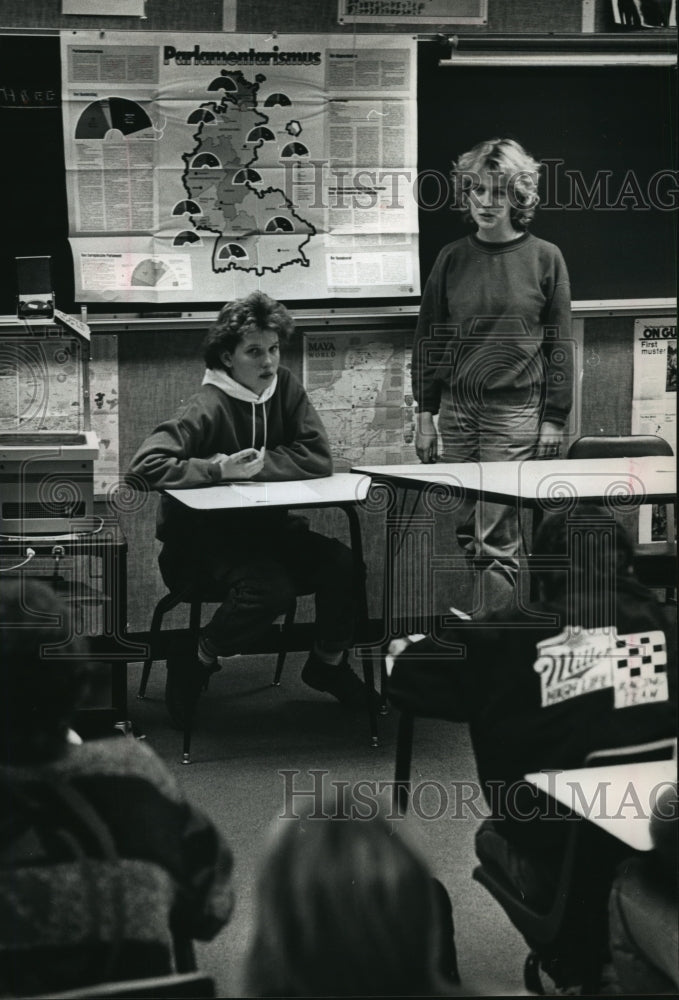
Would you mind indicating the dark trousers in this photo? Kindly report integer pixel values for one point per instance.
(256, 588)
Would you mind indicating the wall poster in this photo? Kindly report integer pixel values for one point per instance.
(203, 168)
(654, 400)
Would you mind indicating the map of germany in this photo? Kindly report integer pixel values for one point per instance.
(258, 228)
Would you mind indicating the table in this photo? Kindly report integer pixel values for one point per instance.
(542, 484)
(537, 486)
(611, 796)
(340, 488)
(100, 542)
(343, 490)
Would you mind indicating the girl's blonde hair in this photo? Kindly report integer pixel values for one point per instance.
(509, 159)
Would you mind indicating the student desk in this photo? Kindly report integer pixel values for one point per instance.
(89, 567)
(617, 798)
(541, 485)
(343, 490)
(534, 486)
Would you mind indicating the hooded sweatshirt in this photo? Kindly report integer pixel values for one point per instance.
(222, 418)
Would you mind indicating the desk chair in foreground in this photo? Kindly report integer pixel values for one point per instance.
(568, 931)
(195, 598)
(655, 563)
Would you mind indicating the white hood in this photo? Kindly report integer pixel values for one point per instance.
(228, 385)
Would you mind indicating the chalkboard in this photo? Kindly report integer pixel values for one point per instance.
(617, 119)
(32, 164)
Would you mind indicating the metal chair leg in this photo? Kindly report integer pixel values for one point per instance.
(369, 681)
(288, 622)
(404, 752)
(165, 604)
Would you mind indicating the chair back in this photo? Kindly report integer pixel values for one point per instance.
(634, 754)
(624, 446)
(655, 562)
(193, 984)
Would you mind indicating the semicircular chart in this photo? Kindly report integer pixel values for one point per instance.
(274, 99)
(109, 113)
(222, 83)
(186, 236)
(200, 115)
(295, 149)
(187, 208)
(235, 250)
(260, 134)
(279, 224)
(247, 174)
(205, 160)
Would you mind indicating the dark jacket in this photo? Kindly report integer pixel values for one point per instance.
(537, 698)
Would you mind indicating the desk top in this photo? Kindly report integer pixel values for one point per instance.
(650, 478)
(342, 487)
(618, 798)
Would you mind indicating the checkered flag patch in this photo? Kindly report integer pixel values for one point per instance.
(640, 668)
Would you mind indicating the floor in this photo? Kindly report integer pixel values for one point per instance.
(249, 732)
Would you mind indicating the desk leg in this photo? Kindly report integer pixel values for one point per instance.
(360, 582)
(538, 515)
(404, 752)
(395, 532)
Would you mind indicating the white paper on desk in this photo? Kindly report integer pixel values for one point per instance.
(279, 493)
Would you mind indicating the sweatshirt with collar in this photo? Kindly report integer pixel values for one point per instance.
(495, 322)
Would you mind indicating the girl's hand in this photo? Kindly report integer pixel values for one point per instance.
(549, 441)
(426, 441)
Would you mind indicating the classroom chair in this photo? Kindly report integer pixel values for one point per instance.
(196, 599)
(655, 563)
(563, 931)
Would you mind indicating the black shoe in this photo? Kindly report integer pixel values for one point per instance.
(338, 680)
(186, 678)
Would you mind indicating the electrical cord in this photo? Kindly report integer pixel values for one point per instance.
(72, 536)
(30, 553)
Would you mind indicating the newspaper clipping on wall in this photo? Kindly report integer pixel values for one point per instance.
(654, 403)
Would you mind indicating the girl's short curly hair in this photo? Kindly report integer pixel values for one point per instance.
(256, 313)
(511, 161)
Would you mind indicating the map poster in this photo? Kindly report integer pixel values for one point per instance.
(654, 400)
(360, 384)
(202, 168)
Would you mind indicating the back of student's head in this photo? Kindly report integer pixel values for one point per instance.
(344, 908)
(255, 313)
(44, 673)
(582, 552)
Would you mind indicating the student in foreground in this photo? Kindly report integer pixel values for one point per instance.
(589, 666)
(101, 856)
(250, 420)
(345, 908)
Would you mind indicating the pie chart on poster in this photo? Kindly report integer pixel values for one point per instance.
(118, 113)
(149, 272)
